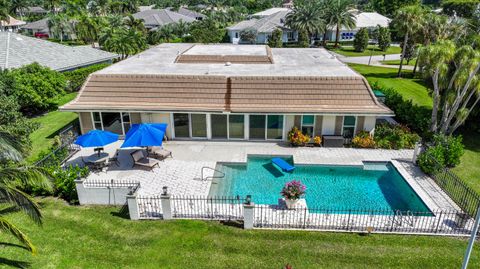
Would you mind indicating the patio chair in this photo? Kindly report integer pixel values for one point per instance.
(114, 158)
(160, 153)
(139, 158)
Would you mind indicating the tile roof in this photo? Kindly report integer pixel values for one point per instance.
(263, 25)
(17, 50)
(11, 22)
(37, 25)
(159, 17)
(323, 85)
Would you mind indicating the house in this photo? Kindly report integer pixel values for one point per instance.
(229, 92)
(263, 23)
(369, 20)
(154, 18)
(18, 50)
(37, 28)
(34, 10)
(190, 13)
(11, 25)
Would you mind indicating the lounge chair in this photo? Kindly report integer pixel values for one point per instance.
(139, 158)
(160, 153)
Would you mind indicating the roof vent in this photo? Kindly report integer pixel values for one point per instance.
(228, 63)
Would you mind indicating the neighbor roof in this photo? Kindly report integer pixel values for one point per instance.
(17, 50)
(371, 19)
(264, 25)
(297, 81)
(159, 17)
(190, 13)
(11, 22)
(270, 11)
(36, 10)
(41, 25)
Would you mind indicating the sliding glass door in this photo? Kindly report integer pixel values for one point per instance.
(257, 127)
(274, 127)
(219, 125)
(236, 126)
(199, 125)
(181, 122)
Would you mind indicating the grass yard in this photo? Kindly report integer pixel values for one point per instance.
(97, 237)
(409, 88)
(469, 168)
(50, 124)
(397, 62)
(349, 51)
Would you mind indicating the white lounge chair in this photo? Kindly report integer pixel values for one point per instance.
(160, 153)
(139, 158)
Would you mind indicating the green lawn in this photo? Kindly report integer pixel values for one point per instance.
(97, 237)
(411, 89)
(50, 124)
(469, 168)
(397, 62)
(349, 51)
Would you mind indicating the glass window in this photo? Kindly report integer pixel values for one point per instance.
(236, 126)
(274, 126)
(349, 126)
(308, 121)
(199, 125)
(257, 127)
(97, 120)
(219, 126)
(126, 121)
(180, 122)
(112, 122)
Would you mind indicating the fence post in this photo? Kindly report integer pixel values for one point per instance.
(80, 191)
(133, 206)
(166, 204)
(416, 152)
(248, 209)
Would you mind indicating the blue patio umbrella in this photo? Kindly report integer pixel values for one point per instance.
(145, 135)
(96, 138)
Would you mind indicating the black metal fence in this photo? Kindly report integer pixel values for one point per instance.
(92, 183)
(218, 208)
(464, 196)
(449, 222)
(65, 149)
(149, 207)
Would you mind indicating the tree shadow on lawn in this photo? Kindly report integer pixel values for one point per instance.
(10, 262)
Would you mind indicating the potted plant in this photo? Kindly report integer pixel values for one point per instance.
(292, 192)
(317, 141)
(297, 138)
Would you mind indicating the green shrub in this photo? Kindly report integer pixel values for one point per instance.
(384, 38)
(453, 148)
(77, 77)
(275, 41)
(415, 117)
(390, 136)
(360, 43)
(303, 40)
(363, 140)
(64, 182)
(431, 160)
(462, 8)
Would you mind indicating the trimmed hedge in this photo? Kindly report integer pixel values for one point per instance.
(77, 77)
(463, 8)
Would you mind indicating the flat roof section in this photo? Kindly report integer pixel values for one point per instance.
(247, 50)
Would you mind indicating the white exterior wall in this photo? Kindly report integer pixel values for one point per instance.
(369, 124)
(289, 123)
(101, 195)
(328, 126)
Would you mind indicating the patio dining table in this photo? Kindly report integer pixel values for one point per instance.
(98, 160)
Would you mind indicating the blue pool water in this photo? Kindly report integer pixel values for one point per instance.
(375, 186)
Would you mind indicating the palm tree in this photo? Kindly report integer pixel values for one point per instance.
(307, 17)
(87, 29)
(18, 6)
(12, 179)
(123, 41)
(164, 33)
(133, 23)
(59, 25)
(181, 28)
(52, 5)
(338, 15)
(408, 20)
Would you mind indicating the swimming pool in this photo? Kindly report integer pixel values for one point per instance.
(372, 186)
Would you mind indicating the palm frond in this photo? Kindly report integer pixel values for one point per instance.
(24, 177)
(7, 226)
(10, 148)
(23, 201)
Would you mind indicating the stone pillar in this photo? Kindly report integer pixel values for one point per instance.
(80, 191)
(133, 206)
(248, 216)
(166, 206)
(416, 152)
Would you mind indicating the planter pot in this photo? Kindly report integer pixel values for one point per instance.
(291, 204)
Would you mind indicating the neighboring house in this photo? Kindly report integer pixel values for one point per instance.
(369, 20)
(12, 25)
(270, 11)
(144, 8)
(190, 13)
(229, 92)
(34, 11)
(37, 28)
(264, 26)
(18, 50)
(155, 18)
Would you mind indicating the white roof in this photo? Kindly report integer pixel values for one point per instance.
(371, 19)
(270, 11)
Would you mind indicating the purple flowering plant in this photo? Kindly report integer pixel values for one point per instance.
(293, 190)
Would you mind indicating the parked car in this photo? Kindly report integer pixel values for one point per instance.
(41, 35)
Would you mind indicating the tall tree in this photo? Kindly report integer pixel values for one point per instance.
(59, 25)
(123, 41)
(18, 6)
(455, 76)
(52, 5)
(339, 15)
(4, 11)
(87, 29)
(307, 16)
(384, 38)
(408, 21)
(13, 178)
(181, 28)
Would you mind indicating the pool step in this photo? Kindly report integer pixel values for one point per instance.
(375, 166)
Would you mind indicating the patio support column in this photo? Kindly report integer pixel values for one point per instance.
(166, 206)
(248, 216)
(133, 206)
(416, 152)
(80, 191)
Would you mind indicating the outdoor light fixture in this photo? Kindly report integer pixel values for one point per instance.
(165, 190)
(248, 200)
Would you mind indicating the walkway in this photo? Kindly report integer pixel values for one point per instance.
(375, 61)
